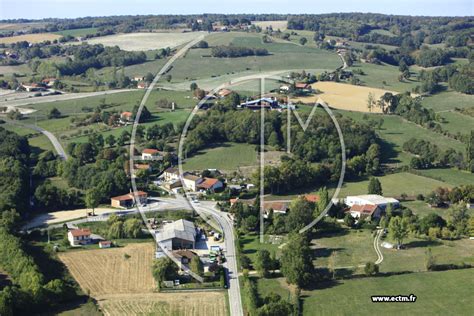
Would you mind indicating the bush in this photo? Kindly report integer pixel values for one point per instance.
(371, 269)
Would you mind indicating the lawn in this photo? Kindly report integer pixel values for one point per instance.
(251, 244)
(351, 247)
(438, 293)
(228, 156)
(422, 209)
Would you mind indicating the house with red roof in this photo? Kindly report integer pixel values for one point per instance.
(210, 185)
(79, 237)
(365, 211)
(126, 117)
(151, 154)
(128, 200)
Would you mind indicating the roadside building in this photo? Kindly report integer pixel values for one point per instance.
(277, 207)
(142, 85)
(128, 200)
(224, 92)
(191, 181)
(180, 234)
(79, 237)
(171, 174)
(210, 185)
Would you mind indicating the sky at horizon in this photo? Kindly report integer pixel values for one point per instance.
(38, 9)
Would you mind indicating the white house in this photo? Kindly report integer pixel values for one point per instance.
(171, 174)
(78, 237)
(191, 181)
(372, 199)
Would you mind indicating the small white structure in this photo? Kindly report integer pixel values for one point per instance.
(151, 154)
(371, 199)
(105, 244)
(79, 237)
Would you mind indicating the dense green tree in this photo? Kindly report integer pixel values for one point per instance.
(132, 228)
(375, 187)
(398, 229)
(296, 261)
(300, 214)
(164, 269)
(263, 262)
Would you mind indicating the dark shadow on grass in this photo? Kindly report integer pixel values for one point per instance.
(422, 243)
(326, 252)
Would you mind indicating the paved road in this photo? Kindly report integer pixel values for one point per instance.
(57, 145)
(235, 301)
(59, 97)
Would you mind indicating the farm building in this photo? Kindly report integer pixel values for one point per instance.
(180, 234)
(365, 211)
(79, 237)
(372, 199)
(191, 181)
(49, 82)
(151, 154)
(128, 200)
(126, 117)
(210, 185)
(266, 103)
(302, 86)
(30, 87)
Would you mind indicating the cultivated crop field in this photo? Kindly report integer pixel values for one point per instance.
(344, 96)
(31, 38)
(145, 41)
(108, 271)
(183, 304)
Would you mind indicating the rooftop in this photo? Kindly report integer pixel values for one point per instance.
(150, 151)
(182, 229)
(373, 199)
(208, 183)
(80, 232)
(128, 196)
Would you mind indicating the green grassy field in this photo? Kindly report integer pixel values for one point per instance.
(351, 248)
(438, 293)
(395, 184)
(447, 100)
(422, 209)
(457, 122)
(453, 177)
(230, 156)
(376, 75)
(251, 244)
(194, 66)
(78, 32)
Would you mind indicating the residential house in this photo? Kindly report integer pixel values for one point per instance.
(180, 234)
(210, 185)
(49, 82)
(277, 207)
(171, 174)
(224, 92)
(190, 181)
(151, 154)
(266, 103)
(79, 237)
(302, 86)
(128, 200)
(126, 117)
(138, 78)
(365, 211)
(142, 85)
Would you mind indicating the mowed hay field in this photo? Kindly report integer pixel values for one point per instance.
(344, 96)
(126, 286)
(145, 41)
(30, 38)
(182, 304)
(282, 25)
(107, 271)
